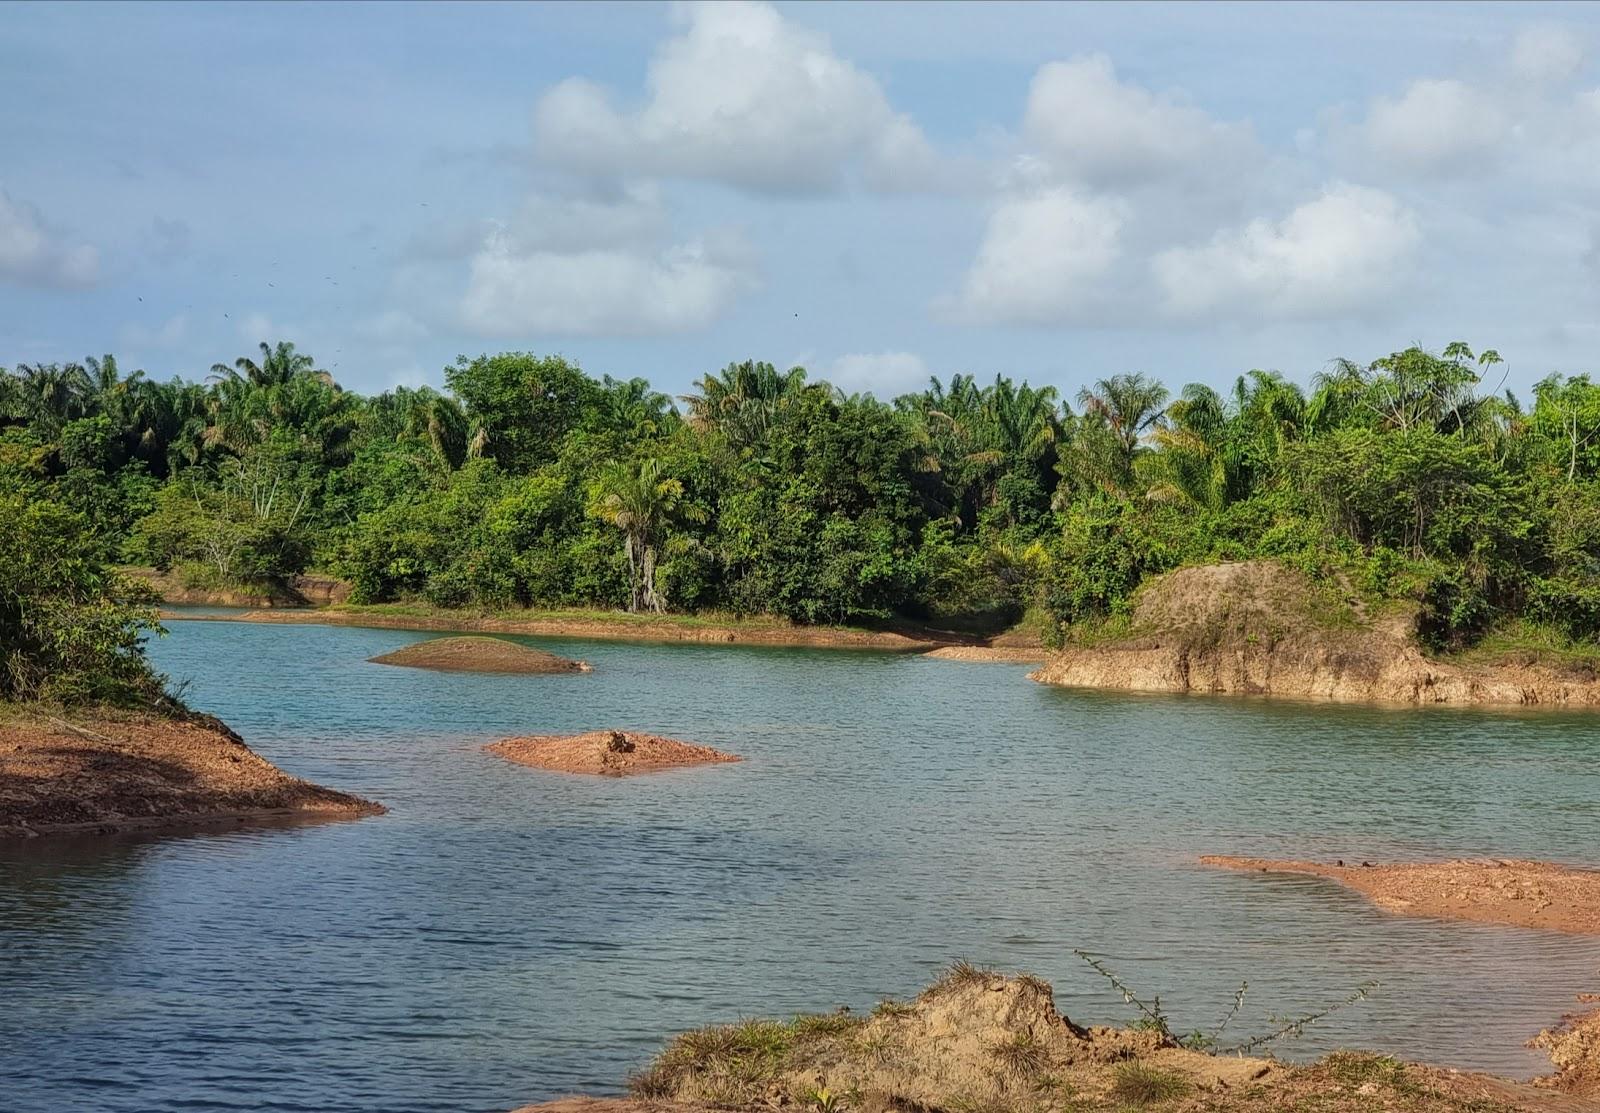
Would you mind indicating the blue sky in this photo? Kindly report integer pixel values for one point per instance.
(878, 192)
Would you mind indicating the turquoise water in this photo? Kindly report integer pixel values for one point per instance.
(505, 935)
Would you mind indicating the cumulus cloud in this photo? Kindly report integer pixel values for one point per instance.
(1436, 126)
(1042, 255)
(884, 374)
(598, 267)
(1101, 130)
(742, 96)
(33, 254)
(1338, 253)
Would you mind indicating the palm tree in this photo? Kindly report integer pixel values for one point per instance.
(278, 365)
(638, 501)
(742, 399)
(1130, 405)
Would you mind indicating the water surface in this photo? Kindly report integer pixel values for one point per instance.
(505, 935)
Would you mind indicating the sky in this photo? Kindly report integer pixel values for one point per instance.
(877, 192)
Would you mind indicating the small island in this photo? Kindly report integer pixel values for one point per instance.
(479, 654)
(607, 753)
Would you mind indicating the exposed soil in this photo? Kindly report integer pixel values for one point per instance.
(1259, 628)
(1496, 891)
(1574, 1047)
(607, 753)
(474, 654)
(122, 772)
(297, 591)
(979, 1041)
(1001, 654)
(631, 628)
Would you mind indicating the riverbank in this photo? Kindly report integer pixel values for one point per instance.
(112, 771)
(1496, 891)
(1258, 628)
(598, 625)
(977, 1040)
(298, 591)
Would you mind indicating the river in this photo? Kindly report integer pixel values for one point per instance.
(505, 934)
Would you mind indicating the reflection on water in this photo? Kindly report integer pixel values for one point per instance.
(505, 934)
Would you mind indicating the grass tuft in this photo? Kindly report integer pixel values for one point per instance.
(1139, 1085)
(1021, 1056)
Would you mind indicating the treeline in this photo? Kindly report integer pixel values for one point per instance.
(529, 483)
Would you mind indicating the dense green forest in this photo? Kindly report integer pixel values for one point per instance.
(530, 483)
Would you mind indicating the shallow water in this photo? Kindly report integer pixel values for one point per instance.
(505, 934)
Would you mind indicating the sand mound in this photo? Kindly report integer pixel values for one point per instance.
(1574, 1048)
(979, 1041)
(110, 774)
(1499, 891)
(475, 654)
(607, 753)
(997, 654)
(1259, 628)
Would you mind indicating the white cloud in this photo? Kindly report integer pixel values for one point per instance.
(1436, 126)
(742, 96)
(1041, 258)
(1546, 53)
(32, 254)
(885, 374)
(1336, 254)
(392, 327)
(596, 267)
(1104, 131)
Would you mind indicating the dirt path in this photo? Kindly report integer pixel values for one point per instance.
(118, 773)
(1495, 891)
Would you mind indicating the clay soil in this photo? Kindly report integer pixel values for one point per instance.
(997, 654)
(1496, 891)
(979, 1041)
(473, 654)
(607, 753)
(117, 772)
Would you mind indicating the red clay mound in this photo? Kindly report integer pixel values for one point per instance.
(1498, 891)
(607, 753)
(471, 654)
(115, 773)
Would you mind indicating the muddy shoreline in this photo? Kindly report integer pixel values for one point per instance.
(113, 772)
(627, 630)
(1507, 891)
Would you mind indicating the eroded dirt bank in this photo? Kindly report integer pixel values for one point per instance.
(124, 772)
(978, 1041)
(1258, 628)
(298, 591)
(1493, 891)
(998, 654)
(607, 753)
(478, 654)
(608, 629)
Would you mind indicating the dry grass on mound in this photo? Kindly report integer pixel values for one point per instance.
(117, 772)
(978, 1042)
(475, 654)
(1494, 891)
(607, 753)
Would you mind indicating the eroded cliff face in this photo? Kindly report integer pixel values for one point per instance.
(1258, 628)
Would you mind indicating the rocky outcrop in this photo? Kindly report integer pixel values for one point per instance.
(1258, 628)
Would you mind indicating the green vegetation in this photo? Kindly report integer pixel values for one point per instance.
(530, 484)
